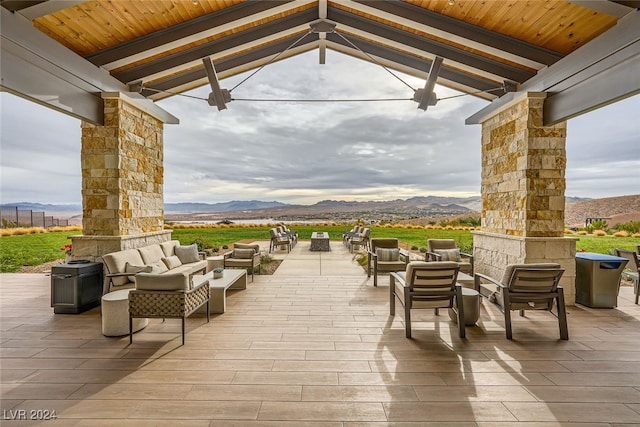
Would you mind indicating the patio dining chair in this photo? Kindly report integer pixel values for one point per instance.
(526, 287)
(447, 250)
(360, 240)
(385, 256)
(279, 240)
(632, 269)
(430, 285)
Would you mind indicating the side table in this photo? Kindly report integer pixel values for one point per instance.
(115, 314)
(471, 305)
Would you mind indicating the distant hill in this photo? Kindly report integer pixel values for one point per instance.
(220, 207)
(39, 207)
(618, 209)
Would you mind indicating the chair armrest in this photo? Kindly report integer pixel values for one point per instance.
(468, 256)
(432, 256)
(202, 255)
(399, 278)
(227, 254)
(477, 277)
(406, 254)
(120, 274)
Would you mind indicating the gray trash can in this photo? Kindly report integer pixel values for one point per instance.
(598, 279)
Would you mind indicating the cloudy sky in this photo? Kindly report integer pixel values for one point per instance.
(296, 152)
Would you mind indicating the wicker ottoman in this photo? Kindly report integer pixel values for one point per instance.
(115, 315)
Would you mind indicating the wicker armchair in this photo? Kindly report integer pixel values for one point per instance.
(166, 296)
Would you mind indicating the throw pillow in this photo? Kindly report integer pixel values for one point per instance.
(135, 269)
(159, 267)
(448, 254)
(172, 262)
(187, 254)
(243, 253)
(388, 254)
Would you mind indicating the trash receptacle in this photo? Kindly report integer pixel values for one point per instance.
(598, 279)
(76, 287)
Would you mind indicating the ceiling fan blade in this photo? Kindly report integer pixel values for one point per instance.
(218, 97)
(427, 97)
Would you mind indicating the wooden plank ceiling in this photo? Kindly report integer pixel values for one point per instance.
(156, 46)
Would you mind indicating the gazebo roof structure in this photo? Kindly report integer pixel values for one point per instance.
(585, 54)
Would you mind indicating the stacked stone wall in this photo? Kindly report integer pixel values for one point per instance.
(523, 184)
(523, 172)
(122, 172)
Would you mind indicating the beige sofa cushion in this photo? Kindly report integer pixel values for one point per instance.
(151, 253)
(169, 247)
(256, 248)
(172, 262)
(187, 254)
(116, 262)
(162, 282)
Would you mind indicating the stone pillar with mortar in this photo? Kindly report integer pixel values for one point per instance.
(523, 184)
(122, 180)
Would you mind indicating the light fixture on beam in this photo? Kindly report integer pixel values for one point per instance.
(218, 97)
(425, 97)
(322, 26)
(510, 86)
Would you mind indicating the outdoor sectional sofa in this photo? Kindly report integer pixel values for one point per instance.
(162, 258)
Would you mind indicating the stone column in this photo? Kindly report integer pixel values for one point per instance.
(122, 181)
(523, 183)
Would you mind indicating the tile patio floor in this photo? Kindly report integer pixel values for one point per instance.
(314, 345)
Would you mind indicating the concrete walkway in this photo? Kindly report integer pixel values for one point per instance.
(302, 262)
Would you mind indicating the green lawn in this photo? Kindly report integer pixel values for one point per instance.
(35, 249)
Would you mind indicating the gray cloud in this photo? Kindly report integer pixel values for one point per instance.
(299, 152)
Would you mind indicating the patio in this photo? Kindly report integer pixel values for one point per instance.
(314, 344)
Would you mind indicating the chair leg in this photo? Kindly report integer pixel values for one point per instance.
(392, 295)
(460, 308)
(637, 289)
(562, 315)
(182, 330)
(507, 314)
(407, 313)
(130, 330)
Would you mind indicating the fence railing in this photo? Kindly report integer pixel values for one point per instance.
(14, 217)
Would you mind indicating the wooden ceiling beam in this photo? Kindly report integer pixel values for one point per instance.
(399, 39)
(238, 41)
(189, 31)
(458, 31)
(264, 54)
(417, 63)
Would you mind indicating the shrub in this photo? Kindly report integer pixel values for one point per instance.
(582, 233)
(414, 248)
(621, 234)
(568, 231)
(599, 233)
(423, 250)
(600, 224)
(629, 227)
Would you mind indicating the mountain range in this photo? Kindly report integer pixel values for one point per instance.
(400, 209)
